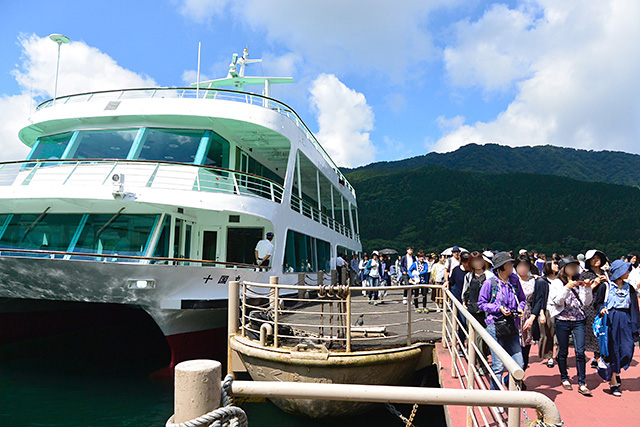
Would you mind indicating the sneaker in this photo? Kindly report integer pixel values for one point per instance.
(425, 310)
(418, 310)
(594, 363)
(375, 303)
(364, 293)
(550, 363)
(460, 353)
(404, 300)
(615, 390)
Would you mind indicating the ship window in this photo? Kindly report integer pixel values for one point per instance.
(103, 144)
(162, 247)
(171, 145)
(306, 254)
(121, 234)
(50, 147)
(52, 232)
(241, 244)
(218, 153)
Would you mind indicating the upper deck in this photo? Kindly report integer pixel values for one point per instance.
(178, 107)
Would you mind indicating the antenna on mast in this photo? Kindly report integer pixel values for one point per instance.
(238, 80)
(198, 73)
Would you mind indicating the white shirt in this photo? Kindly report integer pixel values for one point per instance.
(451, 264)
(340, 262)
(264, 248)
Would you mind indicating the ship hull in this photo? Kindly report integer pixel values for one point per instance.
(184, 316)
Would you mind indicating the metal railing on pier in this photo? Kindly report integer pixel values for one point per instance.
(330, 320)
(330, 317)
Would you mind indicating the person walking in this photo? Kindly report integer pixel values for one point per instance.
(594, 263)
(419, 271)
(618, 300)
(364, 273)
(405, 262)
(374, 271)
(567, 298)
(523, 268)
(502, 299)
(478, 273)
(437, 278)
(354, 265)
(544, 332)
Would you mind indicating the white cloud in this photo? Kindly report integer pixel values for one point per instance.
(82, 69)
(574, 66)
(344, 120)
(376, 35)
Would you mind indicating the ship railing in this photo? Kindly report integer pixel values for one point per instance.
(305, 208)
(204, 94)
(114, 257)
(459, 325)
(333, 319)
(138, 174)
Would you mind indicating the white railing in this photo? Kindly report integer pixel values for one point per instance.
(474, 392)
(466, 369)
(138, 174)
(205, 94)
(306, 209)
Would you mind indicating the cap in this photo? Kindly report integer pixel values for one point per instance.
(269, 234)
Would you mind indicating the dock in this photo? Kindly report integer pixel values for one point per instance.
(327, 350)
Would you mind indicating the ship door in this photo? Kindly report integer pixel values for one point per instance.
(182, 237)
(209, 248)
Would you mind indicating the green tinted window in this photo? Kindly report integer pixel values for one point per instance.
(35, 231)
(171, 145)
(104, 144)
(218, 153)
(116, 234)
(50, 147)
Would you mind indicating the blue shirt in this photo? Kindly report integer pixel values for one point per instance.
(618, 298)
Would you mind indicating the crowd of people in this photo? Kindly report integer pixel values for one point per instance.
(526, 298)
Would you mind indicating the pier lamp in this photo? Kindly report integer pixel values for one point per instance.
(60, 40)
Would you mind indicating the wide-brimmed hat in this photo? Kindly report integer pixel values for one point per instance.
(618, 269)
(591, 253)
(501, 258)
(564, 261)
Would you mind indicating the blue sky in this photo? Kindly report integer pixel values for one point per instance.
(376, 80)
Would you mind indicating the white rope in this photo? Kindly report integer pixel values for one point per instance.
(227, 415)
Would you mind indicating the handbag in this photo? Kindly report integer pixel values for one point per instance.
(505, 326)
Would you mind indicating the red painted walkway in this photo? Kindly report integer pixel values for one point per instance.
(602, 409)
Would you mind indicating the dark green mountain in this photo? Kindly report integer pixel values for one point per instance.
(596, 166)
(433, 207)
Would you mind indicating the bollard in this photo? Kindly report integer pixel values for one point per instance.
(197, 389)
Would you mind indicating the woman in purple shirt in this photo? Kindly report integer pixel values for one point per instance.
(502, 296)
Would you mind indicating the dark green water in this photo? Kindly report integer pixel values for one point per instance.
(42, 387)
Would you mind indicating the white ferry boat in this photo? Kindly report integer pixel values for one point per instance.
(154, 199)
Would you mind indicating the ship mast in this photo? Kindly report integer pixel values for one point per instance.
(237, 79)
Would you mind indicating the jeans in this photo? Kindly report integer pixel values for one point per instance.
(577, 329)
(374, 282)
(512, 346)
(405, 282)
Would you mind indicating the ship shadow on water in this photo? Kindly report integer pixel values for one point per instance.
(80, 364)
(82, 338)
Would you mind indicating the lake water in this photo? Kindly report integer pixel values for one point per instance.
(44, 387)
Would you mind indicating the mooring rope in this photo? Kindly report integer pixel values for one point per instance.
(227, 415)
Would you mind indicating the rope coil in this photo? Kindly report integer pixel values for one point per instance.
(227, 415)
